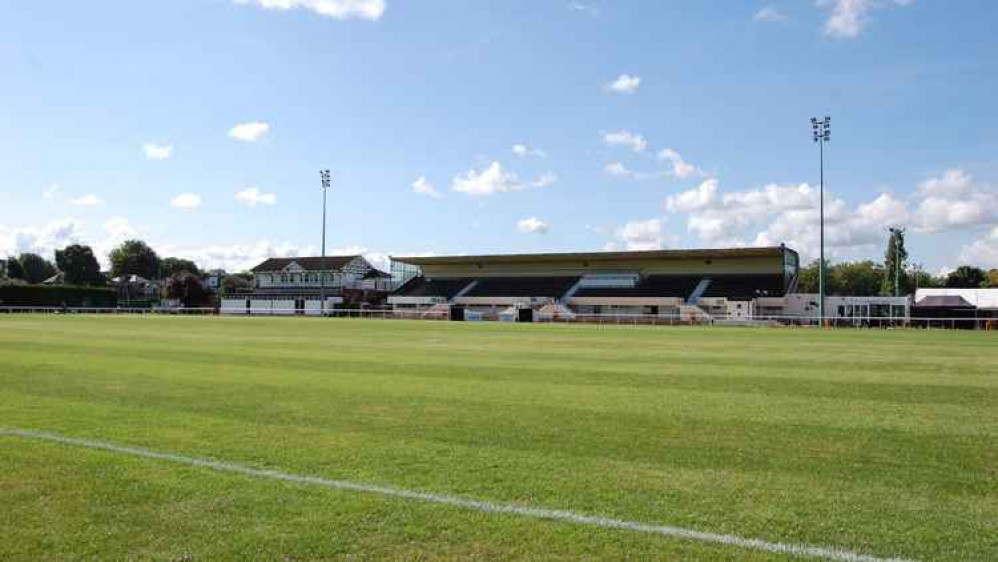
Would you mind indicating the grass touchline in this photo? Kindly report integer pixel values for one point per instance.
(827, 553)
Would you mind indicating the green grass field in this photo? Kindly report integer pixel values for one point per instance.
(880, 442)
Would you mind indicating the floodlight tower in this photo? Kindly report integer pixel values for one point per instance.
(822, 133)
(324, 176)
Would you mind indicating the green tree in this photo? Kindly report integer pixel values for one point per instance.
(992, 281)
(925, 280)
(171, 266)
(14, 269)
(807, 278)
(233, 283)
(78, 264)
(36, 268)
(186, 287)
(966, 277)
(861, 278)
(895, 263)
(134, 257)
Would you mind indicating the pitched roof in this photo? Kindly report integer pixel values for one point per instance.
(986, 299)
(313, 263)
(943, 301)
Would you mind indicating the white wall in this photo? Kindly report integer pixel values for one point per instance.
(279, 307)
(806, 304)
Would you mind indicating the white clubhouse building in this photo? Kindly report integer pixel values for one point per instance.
(298, 285)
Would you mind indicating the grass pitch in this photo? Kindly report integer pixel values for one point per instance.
(879, 442)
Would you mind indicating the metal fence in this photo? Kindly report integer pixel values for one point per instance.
(636, 320)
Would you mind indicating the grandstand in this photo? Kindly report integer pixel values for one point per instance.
(694, 283)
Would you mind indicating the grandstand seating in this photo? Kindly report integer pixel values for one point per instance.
(679, 286)
(745, 287)
(553, 287)
(735, 287)
(426, 287)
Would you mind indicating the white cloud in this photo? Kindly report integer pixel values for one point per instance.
(50, 192)
(695, 199)
(491, 180)
(249, 132)
(337, 9)
(638, 235)
(423, 187)
(523, 151)
(953, 183)
(982, 252)
(769, 14)
(238, 257)
(533, 225)
(718, 220)
(848, 231)
(119, 229)
(88, 200)
(116, 231)
(252, 196)
(584, 8)
(624, 84)
(680, 168)
(544, 180)
(849, 17)
(43, 240)
(954, 201)
(634, 141)
(617, 169)
(157, 152)
(186, 201)
(241, 257)
(788, 214)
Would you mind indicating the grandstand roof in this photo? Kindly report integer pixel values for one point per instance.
(769, 251)
(307, 263)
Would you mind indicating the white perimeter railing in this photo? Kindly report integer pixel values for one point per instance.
(591, 319)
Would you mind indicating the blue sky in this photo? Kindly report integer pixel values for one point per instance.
(201, 125)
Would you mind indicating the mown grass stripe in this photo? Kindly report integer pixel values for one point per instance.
(828, 553)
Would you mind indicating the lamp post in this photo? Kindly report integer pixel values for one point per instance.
(822, 133)
(324, 176)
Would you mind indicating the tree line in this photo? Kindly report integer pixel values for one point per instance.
(866, 278)
(78, 265)
(894, 276)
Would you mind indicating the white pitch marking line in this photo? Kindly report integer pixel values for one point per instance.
(828, 553)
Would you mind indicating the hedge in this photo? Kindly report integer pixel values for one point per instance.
(57, 295)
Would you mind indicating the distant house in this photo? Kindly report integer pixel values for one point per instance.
(132, 287)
